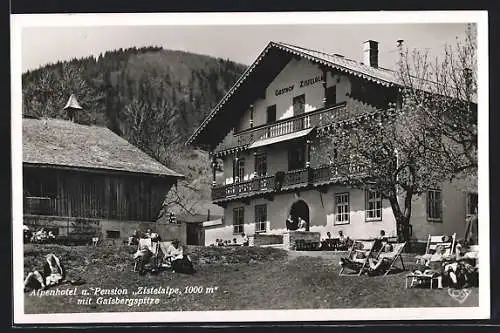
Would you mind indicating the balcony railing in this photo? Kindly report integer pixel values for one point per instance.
(317, 118)
(289, 180)
(39, 206)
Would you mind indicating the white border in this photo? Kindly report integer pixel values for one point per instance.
(61, 20)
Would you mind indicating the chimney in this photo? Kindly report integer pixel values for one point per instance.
(72, 106)
(370, 53)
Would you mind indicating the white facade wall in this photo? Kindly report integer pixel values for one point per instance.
(454, 214)
(321, 205)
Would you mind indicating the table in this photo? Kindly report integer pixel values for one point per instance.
(419, 277)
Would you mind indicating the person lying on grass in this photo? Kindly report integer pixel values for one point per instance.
(52, 273)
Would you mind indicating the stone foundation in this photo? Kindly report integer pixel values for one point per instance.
(290, 238)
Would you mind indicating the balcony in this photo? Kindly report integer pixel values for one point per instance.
(317, 118)
(287, 181)
(39, 206)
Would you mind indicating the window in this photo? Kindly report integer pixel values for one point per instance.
(260, 218)
(331, 95)
(115, 234)
(271, 113)
(434, 205)
(341, 208)
(238, 220)
(261, 165)
(299, 103)
(471, 204)
(373, 206)
(296, 157)
(240, 169)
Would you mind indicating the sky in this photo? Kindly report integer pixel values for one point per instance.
(239, 43)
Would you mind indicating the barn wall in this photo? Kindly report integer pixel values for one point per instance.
(101, 196)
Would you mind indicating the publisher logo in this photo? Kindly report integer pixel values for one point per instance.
(459, 294)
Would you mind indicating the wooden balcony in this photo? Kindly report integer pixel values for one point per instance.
(39, 206)
(285, 181)
(318, 118)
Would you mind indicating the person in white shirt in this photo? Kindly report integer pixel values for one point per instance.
(245, 242)
(174, 253)
(302, 224)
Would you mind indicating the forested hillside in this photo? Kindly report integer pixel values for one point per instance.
(154, 98)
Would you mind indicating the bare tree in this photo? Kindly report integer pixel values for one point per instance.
(430, 136)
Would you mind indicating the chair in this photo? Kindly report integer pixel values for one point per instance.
(433, 242)
(357, 257)
(95, 240)
(388, 259)
(147, 245)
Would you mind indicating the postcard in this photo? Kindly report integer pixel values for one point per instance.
(240, 167)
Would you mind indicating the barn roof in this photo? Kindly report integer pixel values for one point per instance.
(267, 65)
(62, 143)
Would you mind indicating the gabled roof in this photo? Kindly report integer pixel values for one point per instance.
(267, 65)
(62, 143)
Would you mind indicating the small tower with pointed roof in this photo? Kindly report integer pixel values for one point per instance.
(72, 106)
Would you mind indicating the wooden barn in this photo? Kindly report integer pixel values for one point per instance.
(87, 179)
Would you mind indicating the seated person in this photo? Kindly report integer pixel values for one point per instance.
(344, 242)
(358, 254)
(134, 238)
(422, 259)
(375, 263)
(246, 242)
(144, 253)
(326, 244)
(291, 223)
(180, 262)
(434, 264)
(380, 241)
(52, 274)
(302, 226)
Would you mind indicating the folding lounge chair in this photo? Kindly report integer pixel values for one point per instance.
(433, 242)
(389, 258)
(151, 246)
(357, 263)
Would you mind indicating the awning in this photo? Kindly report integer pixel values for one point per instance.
(281, 138)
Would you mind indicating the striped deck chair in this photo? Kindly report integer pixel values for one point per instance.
(385, 260)
(433, 242)
(357, 257)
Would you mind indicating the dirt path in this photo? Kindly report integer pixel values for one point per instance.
(327, 255)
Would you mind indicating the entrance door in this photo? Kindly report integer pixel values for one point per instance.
(300, 209)
(193, 231)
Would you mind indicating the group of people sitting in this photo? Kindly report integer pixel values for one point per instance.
(458, 269)
(244, 242)
(341, 243)
(296, 224)
(381, 246)
(40, 236)
(151, 250)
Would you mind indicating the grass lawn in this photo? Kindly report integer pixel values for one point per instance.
(240, 278)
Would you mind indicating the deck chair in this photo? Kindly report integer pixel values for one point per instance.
(433, 242)
(387, 260)
(357, 263)
(153, 257)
